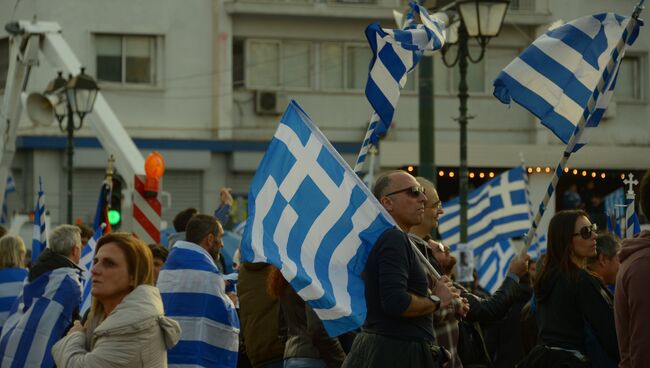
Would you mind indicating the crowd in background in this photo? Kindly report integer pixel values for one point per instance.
(581, 304)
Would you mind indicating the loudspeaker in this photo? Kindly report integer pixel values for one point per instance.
(40, 108)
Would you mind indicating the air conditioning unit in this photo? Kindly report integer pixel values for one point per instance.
(270, 102)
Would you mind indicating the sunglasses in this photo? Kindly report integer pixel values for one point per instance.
(436, 205)
(411, 191)
(587, 231)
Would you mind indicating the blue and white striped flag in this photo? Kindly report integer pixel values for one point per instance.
(39, 240)
(497, 211)
(555, 77)
(193, 294)
(9, 188)
(313, 218)
(11, 285)
(396, 52)
(633, 227)
(39, 318)
(86, 263)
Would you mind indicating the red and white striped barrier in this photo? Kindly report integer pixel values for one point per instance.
(146, 214)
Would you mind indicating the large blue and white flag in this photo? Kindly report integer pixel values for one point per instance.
(9, 188)
(11, 285)
(555, 77)
(497, 211)
(39, 240)
(313, 218)
(86, 263)
(396, 52)
(193, 294)
(39, 318)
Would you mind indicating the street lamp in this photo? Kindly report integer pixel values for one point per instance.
(76, 95)
(481, 20)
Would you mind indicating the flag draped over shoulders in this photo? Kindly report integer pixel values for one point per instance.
(39, 318)
(193, 294)
(11, 284)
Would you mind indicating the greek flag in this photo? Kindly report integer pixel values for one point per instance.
(497, 211)
(11, 284)
(193, 294)
(39, 241)
(86, 263)
(39, 318)
(314, 219)
(632, 225)
(396, 52)
(9, 188)
(555, 77)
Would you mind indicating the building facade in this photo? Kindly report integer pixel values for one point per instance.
(205, 81)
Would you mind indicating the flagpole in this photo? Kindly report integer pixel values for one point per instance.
(365, 146)
(603, 83)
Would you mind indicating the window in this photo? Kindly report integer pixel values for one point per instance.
(296, 64)
(4, 62)
(126, 59)
(358, 57)
(331, 66)
(629, 80)
(300, 65)
(272, 63)
(479, 76)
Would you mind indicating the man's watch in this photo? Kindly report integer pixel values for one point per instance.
(435, 300)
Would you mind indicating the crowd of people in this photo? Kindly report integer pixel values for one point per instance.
(581, 304)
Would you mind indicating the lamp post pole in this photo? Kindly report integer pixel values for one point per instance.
(426, 118)
(70, 152)
(463, 54)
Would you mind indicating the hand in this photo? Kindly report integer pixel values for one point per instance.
(462, 307)
(519, 266)
(443, 290)
(225, 196)
(77, 327)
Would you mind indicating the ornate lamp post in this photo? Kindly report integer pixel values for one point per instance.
(77, 96)
(480, 20)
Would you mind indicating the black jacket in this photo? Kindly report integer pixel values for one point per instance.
(494, 308)
(49, 261)
(566, 303)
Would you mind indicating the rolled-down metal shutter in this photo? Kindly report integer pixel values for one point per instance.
(186, 189)
(85, 192)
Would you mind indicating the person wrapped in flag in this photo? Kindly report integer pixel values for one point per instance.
(47, 305)
(12, 272)
(193, 293)
(126, 326)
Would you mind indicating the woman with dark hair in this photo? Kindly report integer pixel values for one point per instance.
(307, 344)
(569, 301)
(126, 326)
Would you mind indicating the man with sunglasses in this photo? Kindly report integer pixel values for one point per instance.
(473, 309)
(632, 299)
(398, 331)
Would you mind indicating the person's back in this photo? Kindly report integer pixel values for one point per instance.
(258, 313)
(632, 301)
(193, 293)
